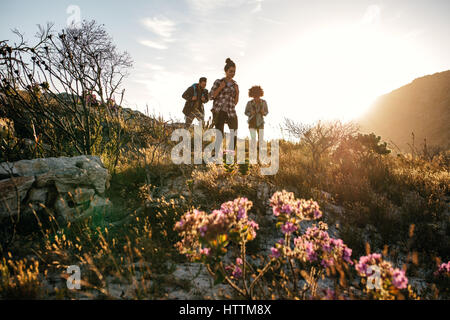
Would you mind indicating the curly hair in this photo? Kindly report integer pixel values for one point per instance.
(255, 91)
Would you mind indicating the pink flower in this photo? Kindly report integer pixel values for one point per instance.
(286, 208)
(327, 263)
(276, 211)
(239, 261)
(241, 213)
(312, 255)
(253, 224)
(444, 268)
(202, 230)
(275, 252)
(399, 279)
(237, 272)
(205, 251)
(288, 228)
(347, 254)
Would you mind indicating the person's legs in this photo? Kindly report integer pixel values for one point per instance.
(252, 148)
(189, 120)
(260, 136)
(252, 133)
(219, 124)
(201, 118)
(233, 124)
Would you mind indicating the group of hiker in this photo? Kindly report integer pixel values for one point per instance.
(225, 96)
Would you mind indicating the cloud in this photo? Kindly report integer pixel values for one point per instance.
(154, 67)
(206, 6)
(161, 26)
(258, 7)
(152, 44)
(372, 15)
(271, 21)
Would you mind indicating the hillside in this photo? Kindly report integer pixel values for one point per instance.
(422, 107)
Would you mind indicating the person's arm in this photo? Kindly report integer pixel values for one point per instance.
(265, 108)
(217, 87)
(248, 109)
(236, 98)
(188, 94)
(205, 96)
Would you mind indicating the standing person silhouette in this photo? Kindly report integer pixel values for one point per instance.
(225, 94)
(195, 96)
(256, 110)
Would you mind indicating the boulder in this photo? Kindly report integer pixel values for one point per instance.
(75, 171)
(71, 187)
(10, 190)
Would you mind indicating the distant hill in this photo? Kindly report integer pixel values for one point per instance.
(422, 107)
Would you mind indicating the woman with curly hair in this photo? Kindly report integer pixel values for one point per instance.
(225, 93)
(256, 110)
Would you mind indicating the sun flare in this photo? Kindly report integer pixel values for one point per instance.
(336, 72)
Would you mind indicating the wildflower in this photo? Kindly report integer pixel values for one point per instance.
(253, 225)
(276, 211)
(327, 263)
(275, 252)
(399, 279)
(202, 230)
(347, 254)
(444, 269)
(373, 265)
(237, 272)
(286, 208)
(366, 261)
(326, 247)
(239, 261)
(288, 228)
(311, 254)
(205, 251)
(241, 213)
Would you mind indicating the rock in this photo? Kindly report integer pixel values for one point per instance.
(10, 189)
(81, 170)
(38, 195)
(82, 195)
(70, 186)
(64, 179)
(69, 210)
(201, 284)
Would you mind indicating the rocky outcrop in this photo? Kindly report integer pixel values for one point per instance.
(71, 187)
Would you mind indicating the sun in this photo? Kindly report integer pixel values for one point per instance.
(337, 71)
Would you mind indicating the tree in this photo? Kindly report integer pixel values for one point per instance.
(320, 138)
(54, 85)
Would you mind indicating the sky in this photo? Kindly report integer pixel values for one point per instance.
(315, 60)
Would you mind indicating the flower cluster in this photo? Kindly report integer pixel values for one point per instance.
(235, 269)
(442, 280)
(205, 234)
(444, 270)
(284, 204)
(317, 247)
(378, 269)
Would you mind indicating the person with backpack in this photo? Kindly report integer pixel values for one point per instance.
(225, 93)
(256, 110)
(195, 96)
